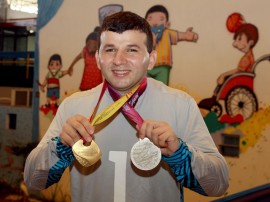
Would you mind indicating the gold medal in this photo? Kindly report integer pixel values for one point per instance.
(88, 155)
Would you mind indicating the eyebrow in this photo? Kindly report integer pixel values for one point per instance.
(129, 46)
(134, 46)
(108, 45)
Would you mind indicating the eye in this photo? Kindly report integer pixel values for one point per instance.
(132, 50)
(239, 37)
(110, 50)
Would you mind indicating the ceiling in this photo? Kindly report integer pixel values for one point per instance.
(29, 6)
(18, 13)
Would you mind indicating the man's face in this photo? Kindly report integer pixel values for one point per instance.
(54, 66)
(123, 58)
(241, 43)
(156, 19)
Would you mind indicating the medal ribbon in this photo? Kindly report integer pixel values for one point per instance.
(128, 107)
(114, 107)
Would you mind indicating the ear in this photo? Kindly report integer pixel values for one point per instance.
(97, 59)
(168, 24)
(152, 59)
(251, 43)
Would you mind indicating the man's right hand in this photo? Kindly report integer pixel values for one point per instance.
(75, 128)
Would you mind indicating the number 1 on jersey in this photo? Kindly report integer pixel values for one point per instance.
(120, 160)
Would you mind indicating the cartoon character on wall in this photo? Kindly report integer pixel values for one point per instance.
(108, 10)
(91, 74)
(243, 123)
(52, 82)
(240, 79)
(158, 18)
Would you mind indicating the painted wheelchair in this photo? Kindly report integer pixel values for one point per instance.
(238, 93)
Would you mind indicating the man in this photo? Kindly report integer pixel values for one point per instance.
(172, 122)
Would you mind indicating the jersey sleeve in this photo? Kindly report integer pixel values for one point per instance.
(48, 161)
(66, 157)
(180, 164)
(197, 164)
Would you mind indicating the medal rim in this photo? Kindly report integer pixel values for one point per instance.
(155, 164)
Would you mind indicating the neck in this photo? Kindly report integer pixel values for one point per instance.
(125, 91)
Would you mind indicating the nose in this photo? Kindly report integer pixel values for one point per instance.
(234, 43)
(119, 58)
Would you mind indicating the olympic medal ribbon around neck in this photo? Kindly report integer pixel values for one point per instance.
(88, 155)
(128, 107)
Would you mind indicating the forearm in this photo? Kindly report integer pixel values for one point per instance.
(180, 164)
(204, 173)
(207, 165)
(76, 59)
(38, 164)
(46, 164)
(211, 171)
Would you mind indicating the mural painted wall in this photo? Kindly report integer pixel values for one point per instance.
(237, 114)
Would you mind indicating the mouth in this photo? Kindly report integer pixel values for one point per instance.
(120, 72)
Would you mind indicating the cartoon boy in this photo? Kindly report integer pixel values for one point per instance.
(52, 80)
(91, 74)
(245, 38)
(158, 18)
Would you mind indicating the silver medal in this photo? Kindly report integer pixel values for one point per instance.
(145, 155)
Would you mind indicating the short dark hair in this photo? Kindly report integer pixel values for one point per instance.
(158, 8)
(55, 57)
(250, 31)
(93, 35)
(126, 20)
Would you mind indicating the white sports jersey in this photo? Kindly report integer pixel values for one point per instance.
(114, 178)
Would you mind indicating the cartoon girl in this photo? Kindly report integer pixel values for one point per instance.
(91, 74)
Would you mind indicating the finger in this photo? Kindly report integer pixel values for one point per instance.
(196, 38)
(148, 130)
(81, 126)
(66, 139)
(189, 29)
(141, 130)
(87, 125)
(69, 135)
(162, 140)
(159, 135)
(152, 131)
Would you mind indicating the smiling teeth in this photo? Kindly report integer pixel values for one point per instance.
(120, 71)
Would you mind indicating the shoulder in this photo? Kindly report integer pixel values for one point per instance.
(81, 102)
(82, 98)
(84, 51)
(157, 88)
(168, 103)
(171, 31)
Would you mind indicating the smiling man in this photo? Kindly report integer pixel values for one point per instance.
(168, 118)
